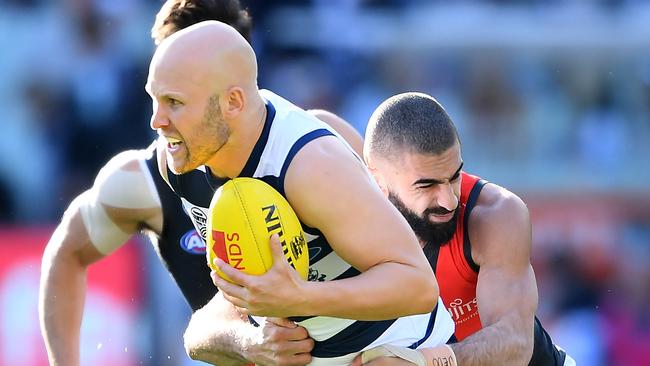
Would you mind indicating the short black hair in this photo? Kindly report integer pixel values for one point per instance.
(414, 122)
(175, 15)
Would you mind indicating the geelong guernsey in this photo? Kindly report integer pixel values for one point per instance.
(286, 130)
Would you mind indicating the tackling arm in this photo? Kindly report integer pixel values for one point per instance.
(500, 232)
(237, 342)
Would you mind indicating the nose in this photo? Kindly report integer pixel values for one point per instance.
(447, 198)
(158, 118)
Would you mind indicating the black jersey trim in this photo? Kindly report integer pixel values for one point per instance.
(213, 181)
(544, 351)
(192, 186)
(432, 252)
(256, 154)
(318, 248)
(351, 339)
(294, 150)
(254, 158)
(253, 322)
(160, 184)
(471, 202)
(430, 325)
(350, 272)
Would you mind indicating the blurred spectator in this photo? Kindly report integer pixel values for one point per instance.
(603, 131)
(626, 304)
(105, 98)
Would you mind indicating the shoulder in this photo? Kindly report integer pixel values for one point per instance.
(323, 172)
(496, 203)
(126, 182)
(129, 160)
(325, 156)
(499, 223)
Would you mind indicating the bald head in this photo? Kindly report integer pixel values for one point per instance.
(408, 122)
(210, 53)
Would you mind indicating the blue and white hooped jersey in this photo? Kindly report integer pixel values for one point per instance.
(286, 130)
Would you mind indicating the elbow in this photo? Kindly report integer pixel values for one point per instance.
(426, 293)
(194, 353)
(192, 347)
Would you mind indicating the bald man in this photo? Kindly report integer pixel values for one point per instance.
(217, 125)
(100, 220)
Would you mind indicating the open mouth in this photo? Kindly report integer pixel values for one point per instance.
(173, 144)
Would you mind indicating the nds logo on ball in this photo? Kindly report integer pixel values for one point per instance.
(227, 248)
(274, 226)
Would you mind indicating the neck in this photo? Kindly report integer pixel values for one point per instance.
(246, 130)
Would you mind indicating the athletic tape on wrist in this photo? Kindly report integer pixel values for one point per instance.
(439, 356)
(404, 353)
(442, 355)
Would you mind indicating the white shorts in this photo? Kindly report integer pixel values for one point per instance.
(404, 335)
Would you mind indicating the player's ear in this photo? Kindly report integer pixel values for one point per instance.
(232, 102)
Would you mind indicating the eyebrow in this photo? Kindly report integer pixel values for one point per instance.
(165, 95)
(436, 181)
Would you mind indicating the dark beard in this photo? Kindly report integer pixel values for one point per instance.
(436, 234)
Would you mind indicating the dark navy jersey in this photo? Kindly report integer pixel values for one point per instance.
(179, 247)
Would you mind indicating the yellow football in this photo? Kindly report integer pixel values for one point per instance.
(243, 215)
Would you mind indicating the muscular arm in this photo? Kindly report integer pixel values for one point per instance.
(330, 190)
(225, 343)
(63, 287)
(236, 342)
(506, 292)
(66, 258)
(365, 230)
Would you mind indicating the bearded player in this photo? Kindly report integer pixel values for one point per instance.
(476, 234)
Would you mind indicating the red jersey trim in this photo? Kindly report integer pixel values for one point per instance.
(455, 270)
(470, 202)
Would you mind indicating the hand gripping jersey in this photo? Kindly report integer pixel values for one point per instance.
(457, 276)
(286, 130)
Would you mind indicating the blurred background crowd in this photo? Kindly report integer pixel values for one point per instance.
(551, 99)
